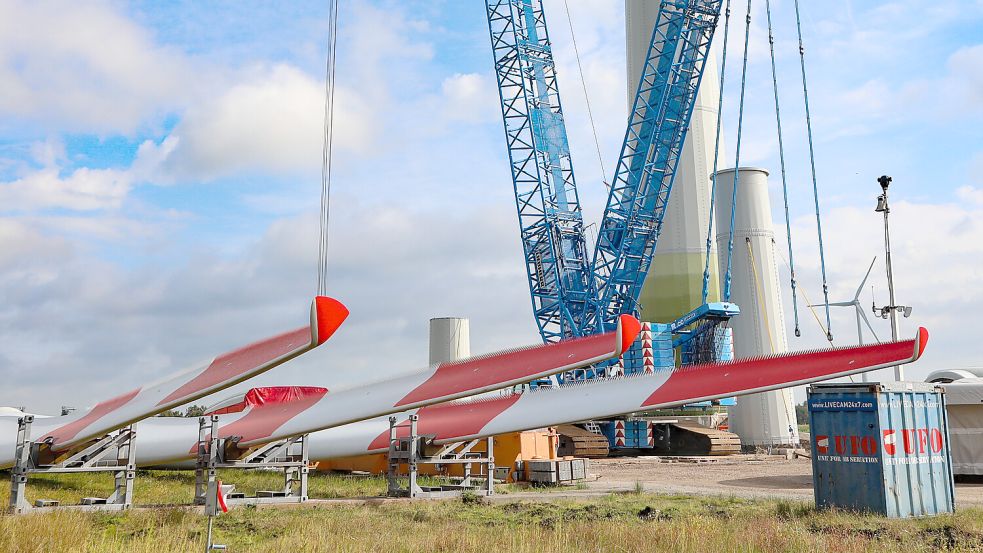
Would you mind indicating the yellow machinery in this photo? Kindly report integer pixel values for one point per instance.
(511, 450)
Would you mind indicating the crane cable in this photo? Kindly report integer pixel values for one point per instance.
(583, 84)
(737, 161)
(809, 303)
(781, 157)
(326, 152)
(716, 155)
(812, 163)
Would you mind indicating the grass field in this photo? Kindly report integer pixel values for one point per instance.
(629, 522)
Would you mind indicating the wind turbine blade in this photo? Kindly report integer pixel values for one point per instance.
(436, 384)
(856, 297)
(866, 320)
(605, 398)
(223, 371)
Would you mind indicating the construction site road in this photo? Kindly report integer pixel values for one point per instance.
(748, 476)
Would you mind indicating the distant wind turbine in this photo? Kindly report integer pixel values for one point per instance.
(855, 303)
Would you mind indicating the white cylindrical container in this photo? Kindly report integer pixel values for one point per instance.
(766, 419)
(450, 339)
(674, 285)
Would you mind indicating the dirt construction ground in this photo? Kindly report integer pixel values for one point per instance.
(748, 476)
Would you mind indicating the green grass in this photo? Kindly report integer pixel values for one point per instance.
(160, 487)
(627, 522)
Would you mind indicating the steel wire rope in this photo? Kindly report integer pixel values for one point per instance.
(809, 304)
(812, 165)
(781, 158)
(716, 155)
(583, 84)
(737, 160)
(326, 150)
(814, 314)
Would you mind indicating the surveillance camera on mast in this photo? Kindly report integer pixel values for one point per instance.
(892, 308)
(885, 312)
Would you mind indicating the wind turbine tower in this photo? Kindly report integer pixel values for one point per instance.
(675, 284)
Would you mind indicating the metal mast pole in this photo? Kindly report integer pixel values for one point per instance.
(885, 181)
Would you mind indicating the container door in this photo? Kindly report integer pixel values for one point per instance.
(846, 457)
(917, 468)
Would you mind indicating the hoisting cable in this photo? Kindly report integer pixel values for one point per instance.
(810, 305)
(716, 154)
(815, 315)
(326, 152)
(583, 84)
(737, 161)
(812, 164)
(781, 157)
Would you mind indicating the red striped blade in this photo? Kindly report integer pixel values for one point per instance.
(448, 381)
(224, 371)
(753, 375)
(608, 397)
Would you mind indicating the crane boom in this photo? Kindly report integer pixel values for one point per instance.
(573, 295)
(550, 220)
(657, 127)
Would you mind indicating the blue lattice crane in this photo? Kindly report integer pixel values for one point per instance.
(571, 295)
(552, 227)
(657, 127)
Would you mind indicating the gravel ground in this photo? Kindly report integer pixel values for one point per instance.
(748, 476)
(751, 476)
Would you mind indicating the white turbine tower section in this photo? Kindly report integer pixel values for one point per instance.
(765, 419)
(450, 339)
(675, 284)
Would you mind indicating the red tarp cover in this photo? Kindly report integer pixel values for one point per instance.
(270, 395)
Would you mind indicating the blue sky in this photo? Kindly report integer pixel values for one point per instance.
(160, 173)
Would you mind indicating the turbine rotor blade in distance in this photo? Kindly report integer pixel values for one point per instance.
(863, 314)
(856, 297)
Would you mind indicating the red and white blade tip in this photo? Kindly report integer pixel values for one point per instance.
(920, 340)
(628, 329)
(327, 314)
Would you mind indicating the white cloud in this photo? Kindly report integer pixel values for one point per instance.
(955, 93)
(118, 326)
(470, 97)
(970, 194)
(874, 33)
(83, 190)
(966, 77)
(84, 67)
(271, 121)
(48, 153)
(22, 244)
(269, 118)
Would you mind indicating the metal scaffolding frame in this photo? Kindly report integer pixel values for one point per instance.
(289, 455)
(412, 450)
(114, 453)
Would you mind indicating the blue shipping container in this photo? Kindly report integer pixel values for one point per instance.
(881, 448)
